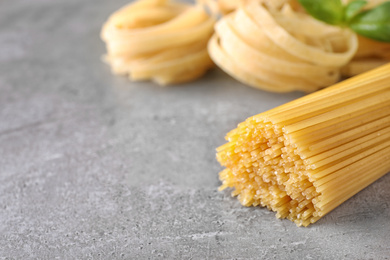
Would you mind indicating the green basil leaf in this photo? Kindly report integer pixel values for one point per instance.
(328, 11)
(353, 8)
(374, 23)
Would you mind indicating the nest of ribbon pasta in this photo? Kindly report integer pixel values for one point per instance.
(159, 40)
(280, 49)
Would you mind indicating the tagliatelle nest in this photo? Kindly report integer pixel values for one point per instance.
(369, 55)
(279, 49)
(159, 40)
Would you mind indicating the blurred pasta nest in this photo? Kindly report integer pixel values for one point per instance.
(273, 45)
(159, 40)
(277, 47)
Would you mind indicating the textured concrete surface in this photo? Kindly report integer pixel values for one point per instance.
(93, 166)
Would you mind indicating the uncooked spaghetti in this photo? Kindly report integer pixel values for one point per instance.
(306, 157)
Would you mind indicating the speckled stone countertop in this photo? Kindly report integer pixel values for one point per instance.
(93, 166)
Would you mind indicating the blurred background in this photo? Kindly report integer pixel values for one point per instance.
(93, 166)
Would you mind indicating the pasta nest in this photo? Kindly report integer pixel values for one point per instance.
(369, 55)
(159, 40)
(280, 49)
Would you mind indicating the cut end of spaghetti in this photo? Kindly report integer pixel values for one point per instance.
(265, 171)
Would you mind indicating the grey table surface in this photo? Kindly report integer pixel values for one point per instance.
(93, 166)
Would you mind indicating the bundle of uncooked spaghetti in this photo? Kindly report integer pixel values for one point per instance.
(306, 157)
(159, 40)
(279, 49)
